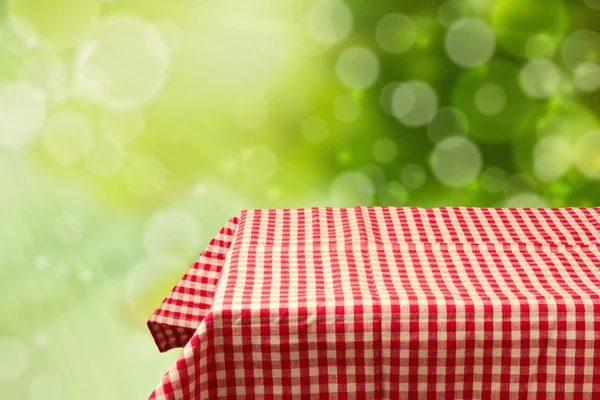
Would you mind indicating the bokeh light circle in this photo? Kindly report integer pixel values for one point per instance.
(45, 387)
(329, 21)
(40, 339)
(587, 154)
(314, 129)
(171, 233)
(402, 99)
(579, 47)
(357, 67)
(393, 194)
(490, 99)
(519, 183)
(413, 176)
(144, 175)
(22, 113)
(47, 71)
(122, 125)
(456, 161)
(68, 228)
(14, 358)
(67, 136)
(41, 262)
(374, 173)
(494, 112)
(447, 122)
(250, 111)
(414, 103)
(470, 42)
(450, 11)
(351, 188)
(346, 107)
(85, 276)
(121, 63)
(516, 22)
(54, 30)
(384, 150)
(552, 157)
(493, 179)
(540, 45)
(396, 33)
(540, 78)
(566, 119)
(525, 200)
(386, 95)
(586, 77)
(258, 163)
(105, 158)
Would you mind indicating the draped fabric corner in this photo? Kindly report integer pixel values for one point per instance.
(389, 302)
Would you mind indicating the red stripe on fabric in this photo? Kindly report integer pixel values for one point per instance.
(573, 213)
(498, 231)
(402, 217)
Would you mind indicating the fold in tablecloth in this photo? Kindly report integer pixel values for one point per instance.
(175, 321)
(384, 302)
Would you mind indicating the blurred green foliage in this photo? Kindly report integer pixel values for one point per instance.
(131, 130)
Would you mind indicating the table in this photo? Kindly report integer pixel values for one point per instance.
(389, 303)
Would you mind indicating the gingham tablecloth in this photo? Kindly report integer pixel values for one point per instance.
(389, 303)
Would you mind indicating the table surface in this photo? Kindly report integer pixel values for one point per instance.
(389, 302)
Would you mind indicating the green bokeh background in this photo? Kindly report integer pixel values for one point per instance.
(123, 150)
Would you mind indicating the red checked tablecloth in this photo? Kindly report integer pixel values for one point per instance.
(389, 303)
